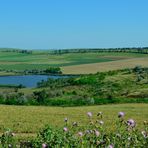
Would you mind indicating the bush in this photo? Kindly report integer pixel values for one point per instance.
(53, 70)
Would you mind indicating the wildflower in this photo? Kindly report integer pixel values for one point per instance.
(89, 114)
(145, 135)
(98, 142)
(129, 138)
(118, 135)
(91, 131)
(101, 122)
(110, 146)
(44, 145)
(65, 119)
(99, 114)
(65, 129)
(131, 123)
(121, 114)
(145, 122)
(87, 131)
(75, 124)
(80, 134)
(97, 133)
(9, 146)
(13, 134)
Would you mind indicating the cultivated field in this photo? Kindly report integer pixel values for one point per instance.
(71, 62)
(105, 66)
(27, 120)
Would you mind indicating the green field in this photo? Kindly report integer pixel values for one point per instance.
(43, 59)
(29, 119)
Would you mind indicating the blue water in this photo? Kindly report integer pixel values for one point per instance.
(26, 80)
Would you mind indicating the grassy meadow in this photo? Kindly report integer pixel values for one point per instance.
(27, 120)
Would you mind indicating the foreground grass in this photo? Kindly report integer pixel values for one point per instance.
(29, 119)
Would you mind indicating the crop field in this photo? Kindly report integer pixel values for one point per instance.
(105, 66)
(70, 62)
(27, 120)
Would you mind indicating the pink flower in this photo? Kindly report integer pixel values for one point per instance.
(131, 123)
(89, 114)
(110, 146)
(80, 134)
(121, 114)
(97, 133)
(44, 145)
(65, 129)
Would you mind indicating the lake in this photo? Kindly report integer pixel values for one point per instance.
(26, 80)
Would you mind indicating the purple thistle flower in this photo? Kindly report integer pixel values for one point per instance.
(121, 114)
(131, 123)
(89, 114)
(97, 133)
(65, 129)
(80, 134)
(44, 145)
(110, 146)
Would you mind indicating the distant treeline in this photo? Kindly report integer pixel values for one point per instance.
(50, 70)
(142, 50)
(17, 50)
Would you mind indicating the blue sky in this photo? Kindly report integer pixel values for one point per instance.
(52, 24)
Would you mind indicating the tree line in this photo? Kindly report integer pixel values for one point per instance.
(142, 50)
